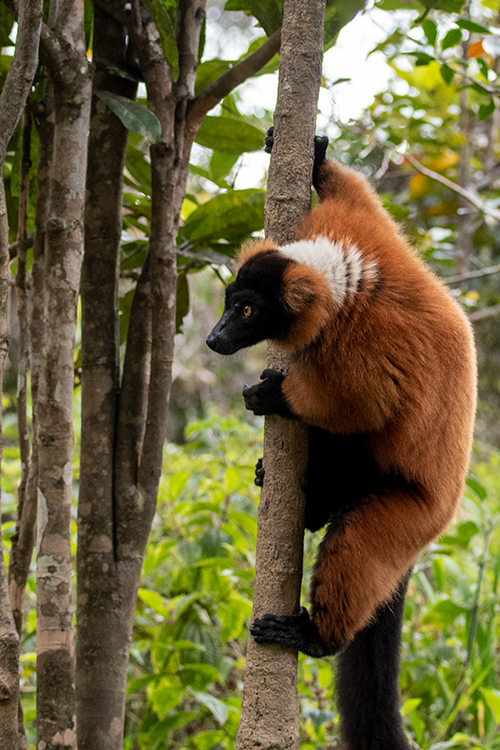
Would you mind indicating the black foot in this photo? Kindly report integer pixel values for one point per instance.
(259, 473)
(320, 147)
(268, 140)
(293, 632)
(267, 397)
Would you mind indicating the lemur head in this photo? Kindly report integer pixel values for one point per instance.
(273, 297)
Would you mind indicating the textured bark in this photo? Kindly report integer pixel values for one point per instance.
(12, 101)
(18, 564)
(9, 638)
(122, 437)
(22, 542)
(270, 710)
(101, 653)
(64, 251)
(126, 497)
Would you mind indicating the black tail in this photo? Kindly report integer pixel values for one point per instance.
(368, 682)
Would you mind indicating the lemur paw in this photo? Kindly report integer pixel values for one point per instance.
(265, 397)
(320, 146)
(293, 632)
(259, 473)
(268, 140)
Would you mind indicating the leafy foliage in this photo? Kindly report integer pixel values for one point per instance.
(195, 602)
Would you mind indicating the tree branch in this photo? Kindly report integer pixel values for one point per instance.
(223, 86)
(488, 312)
(21, 72)
(467, 194)
(472, 274)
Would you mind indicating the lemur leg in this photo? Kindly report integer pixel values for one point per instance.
(367, 683)
(366, 551)
(364, 555)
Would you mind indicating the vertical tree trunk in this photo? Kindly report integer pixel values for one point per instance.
(101, 657)
(12, 101)
(270, 711)
(64, 252)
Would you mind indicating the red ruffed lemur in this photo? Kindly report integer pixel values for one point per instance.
(383, 370)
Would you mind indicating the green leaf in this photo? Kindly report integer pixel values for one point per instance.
(451, 39)
(464, 23)
(166, 29)
(216, 707)
(477, 488)
(164, 698)
(208, 72)
(444, 613)
(231, 216)
(269, 13)
(492, 698)
(207, 740)
(449, 6)
(485, 110)
(230, 136)
(221, 164)
(136, 117)
(153, 599)
(6, 24)
(430, 30)
(446, 73)
(422, 58)
(483, 67)
(139, 169)
(464, 533)
(398, 4)
(410, 705)
(231, 479)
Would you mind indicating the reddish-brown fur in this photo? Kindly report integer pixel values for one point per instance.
(395, 361)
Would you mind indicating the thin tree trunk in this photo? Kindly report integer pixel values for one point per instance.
(12, 101)
(64, 252)
(270, 710)
(101, 657)
(19, 563)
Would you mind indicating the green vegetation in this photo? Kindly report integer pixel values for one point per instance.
(194, 605)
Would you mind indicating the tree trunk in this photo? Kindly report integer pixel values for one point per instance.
(270, 711)
(12, 101)
(101, 657)
(64, 252)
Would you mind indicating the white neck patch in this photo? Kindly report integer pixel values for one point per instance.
(342, 264)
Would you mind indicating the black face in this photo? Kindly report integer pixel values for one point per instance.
(253, 310)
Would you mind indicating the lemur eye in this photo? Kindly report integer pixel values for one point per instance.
(247, 311)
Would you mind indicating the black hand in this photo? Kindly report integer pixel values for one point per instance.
(293, 632)
(267, 397)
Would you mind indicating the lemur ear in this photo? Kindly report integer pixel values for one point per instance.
(300, 288)
(252, 247)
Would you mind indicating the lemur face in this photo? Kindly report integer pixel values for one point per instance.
(254, 309)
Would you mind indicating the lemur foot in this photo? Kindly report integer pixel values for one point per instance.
(293, 632)
(259, 473)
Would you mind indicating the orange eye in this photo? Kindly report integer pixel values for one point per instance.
(247, 311)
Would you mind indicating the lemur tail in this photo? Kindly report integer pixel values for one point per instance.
(367, 682)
